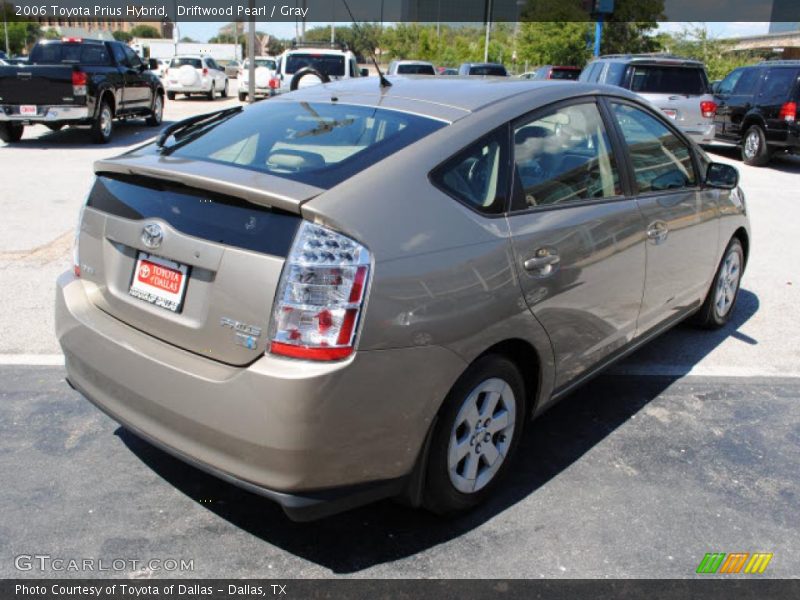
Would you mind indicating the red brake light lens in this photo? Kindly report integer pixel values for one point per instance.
(205, 71)
(320, 296)
(708, 108)
(78, 78)
(789, 111)
(274, 83)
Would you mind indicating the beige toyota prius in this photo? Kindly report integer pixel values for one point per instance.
(354, 292)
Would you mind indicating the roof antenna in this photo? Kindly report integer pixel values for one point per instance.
(383, 81)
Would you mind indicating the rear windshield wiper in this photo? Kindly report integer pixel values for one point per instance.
(183, 128)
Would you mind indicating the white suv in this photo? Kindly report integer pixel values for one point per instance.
(312, 64)
(196, 74)
(265, 77)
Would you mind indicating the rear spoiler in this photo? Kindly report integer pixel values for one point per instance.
(259, 188)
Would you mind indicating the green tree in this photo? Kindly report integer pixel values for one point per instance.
(696, 42)
(186, 39)
(22, 35)
(122, 36)
(554, 43)
(145, 31)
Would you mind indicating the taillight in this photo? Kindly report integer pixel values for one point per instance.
(708, 108)
(320, 296)
(76, 259)
(79, 83)
(274, 83)
(788, 111)
(205, 71)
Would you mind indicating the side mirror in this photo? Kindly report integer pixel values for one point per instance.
(153, 64)
(364, 72)
(722, 176)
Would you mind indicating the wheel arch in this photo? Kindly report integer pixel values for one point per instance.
(743, 237)
(750, 120)
(527, 360)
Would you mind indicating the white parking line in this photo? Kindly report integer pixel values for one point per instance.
(57, 360)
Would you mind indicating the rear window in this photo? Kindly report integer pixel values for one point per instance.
(657, 79)
(56, 53)
(261, 62)
(191, 62)
(564, 74)
(489, 70)
(316, 144)
(415, 70)
(330, 64)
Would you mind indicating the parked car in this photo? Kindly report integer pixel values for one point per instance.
(678, 86)
(307, 64)
(196, 74)
(159, 66)
(266, 80)
(554, 72)
(483, 69)
(232, 69)
(78, 82)
(447, 71)
(412, 332)
(757, 110)
(411, 67)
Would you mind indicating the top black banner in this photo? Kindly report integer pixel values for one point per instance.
(424, 11)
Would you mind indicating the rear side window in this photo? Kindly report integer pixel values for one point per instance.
(314, 143)
(477, 175)
(563, 157)
(57, 53)
(777, 86)
(415, 70)
(747, 82)
(657, 79)
(195, 63)
(661, 160)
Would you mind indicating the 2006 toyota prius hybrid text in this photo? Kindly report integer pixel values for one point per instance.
(352, 292)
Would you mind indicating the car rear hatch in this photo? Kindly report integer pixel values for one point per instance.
(677, 89)
(175, 249)
(40, 85)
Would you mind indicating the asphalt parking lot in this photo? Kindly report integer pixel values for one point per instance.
(692, 445)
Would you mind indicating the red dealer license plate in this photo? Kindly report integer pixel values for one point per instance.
(159, 281)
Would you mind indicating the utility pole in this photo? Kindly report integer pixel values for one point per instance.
(251, 56)
(488, 29)
(5, 29)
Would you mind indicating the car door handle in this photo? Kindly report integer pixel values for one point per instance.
(657, 231)
(543, 263)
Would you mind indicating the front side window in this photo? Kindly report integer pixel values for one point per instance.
(131, 58)
(565, 156)
(476, 175)
(661, 160)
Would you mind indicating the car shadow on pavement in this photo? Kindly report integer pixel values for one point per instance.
(387, 531)
(786, 163)
(125, 134)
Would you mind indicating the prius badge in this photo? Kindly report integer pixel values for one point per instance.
(152, 235)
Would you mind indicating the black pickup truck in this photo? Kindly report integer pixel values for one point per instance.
(78, 82)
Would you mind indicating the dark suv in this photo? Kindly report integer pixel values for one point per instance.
(757, 110)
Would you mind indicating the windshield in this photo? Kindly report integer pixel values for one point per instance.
(415, 70)
(261, 62)
(495, 70)
(318, 144)
(330, 64)
(564, 74)
(656, 79)
(191, 62)
(55, 53)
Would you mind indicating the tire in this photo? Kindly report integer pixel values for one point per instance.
(224, 93)
(755, 151)
(459, 475)
(157, 113)
(11, 132)
(54, 126)
(721, 299)
(210, 94)
(171, 95)
(294, 84)
(103, 125)
(242, 97)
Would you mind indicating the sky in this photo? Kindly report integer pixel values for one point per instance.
(203, 31)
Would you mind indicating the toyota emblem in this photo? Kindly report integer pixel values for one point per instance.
(152, 235)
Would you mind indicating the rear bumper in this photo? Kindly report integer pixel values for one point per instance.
(45, 114)
(701, 135)
(177, 87)
(260, 91)
(316, 438)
